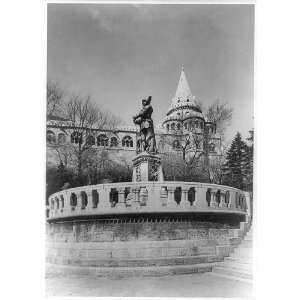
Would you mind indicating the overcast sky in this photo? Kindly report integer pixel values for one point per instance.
(119, 54)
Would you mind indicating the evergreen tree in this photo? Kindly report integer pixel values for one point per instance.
(234, 167)
(249, 162)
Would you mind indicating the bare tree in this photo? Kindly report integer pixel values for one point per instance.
(55, 96)
(183, 147)
(84, 119)
(220, 114)
(192, 158)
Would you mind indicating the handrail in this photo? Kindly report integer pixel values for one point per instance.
(146, 197)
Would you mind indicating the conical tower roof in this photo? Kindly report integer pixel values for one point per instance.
(183, 104)
(183, 95)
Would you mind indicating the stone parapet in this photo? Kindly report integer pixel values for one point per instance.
(146, 197)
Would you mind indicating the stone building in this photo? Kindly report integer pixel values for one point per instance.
(183, 119)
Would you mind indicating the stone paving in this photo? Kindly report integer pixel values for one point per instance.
(190, 285)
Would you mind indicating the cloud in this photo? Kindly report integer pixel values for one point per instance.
(101, 20)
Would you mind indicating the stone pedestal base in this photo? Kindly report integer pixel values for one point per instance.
(147, 167)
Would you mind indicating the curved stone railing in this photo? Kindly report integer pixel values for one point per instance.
(146, 197)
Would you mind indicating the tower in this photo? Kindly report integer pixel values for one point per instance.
(184, 114)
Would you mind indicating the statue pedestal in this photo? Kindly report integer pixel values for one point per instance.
(147, 167)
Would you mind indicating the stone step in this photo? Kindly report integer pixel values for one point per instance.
(180, 260)
(233, 272)
(249, 281)
(236, 266)
(59, 270)
(242, 252)
(246, 244)
(238, 260)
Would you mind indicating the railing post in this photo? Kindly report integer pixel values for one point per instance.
(171, 201)
(185, 197)
(104, 202)
(213, 202)
(89, 200)
(200, 197)
(222, 198)
(136, 201)
(121, 197)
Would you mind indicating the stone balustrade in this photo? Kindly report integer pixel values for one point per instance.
(146, 197)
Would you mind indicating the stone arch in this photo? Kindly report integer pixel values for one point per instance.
(212, 147)
(218, 197)
(127, 141)
(90, 140)
(73, 200)
(208, 196)
(178, 194)
(84, 200)
(57, 202)
(113, 197)
(62, 201)
(102, 140)
(76, 137)
(95, 198)
(61, 138)
(227, 198)
(191, 195)
(113, 142)
(176, 144)
(51, 138)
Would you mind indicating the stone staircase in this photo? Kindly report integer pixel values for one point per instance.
(238, 266)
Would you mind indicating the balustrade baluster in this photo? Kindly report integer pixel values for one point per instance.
(171, 200)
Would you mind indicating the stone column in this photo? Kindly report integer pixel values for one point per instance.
(121, 198)
(184, 200)
(171, 200)
(154, 195)
(136, 201)
(213, 202)
(222, 198)
(200, 197)
(89, 195)
(104, 202)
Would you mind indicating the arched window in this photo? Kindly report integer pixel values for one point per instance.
(61, 138)
(62, 200)
(212, 147)
(84, 200)
(76, 138)
(185, 125)
(57, 202)
(95, 198)
(172, 126)
(208, 196)
(102, 140)
(168, 127)
(227, 198)
(191, 195)
(177, 195)
(201, 125)
(114, 142)
(178, 126)
(176, 144)
(51, 139)
(90, 140)
(218, 197)
(127, 141)
(196, 124)
(113, 197)
(73, 200)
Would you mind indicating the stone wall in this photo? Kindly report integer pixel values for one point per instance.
(95, 243)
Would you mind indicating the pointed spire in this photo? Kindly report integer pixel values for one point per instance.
(183, 93)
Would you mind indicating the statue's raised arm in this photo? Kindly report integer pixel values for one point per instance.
(146, 138)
